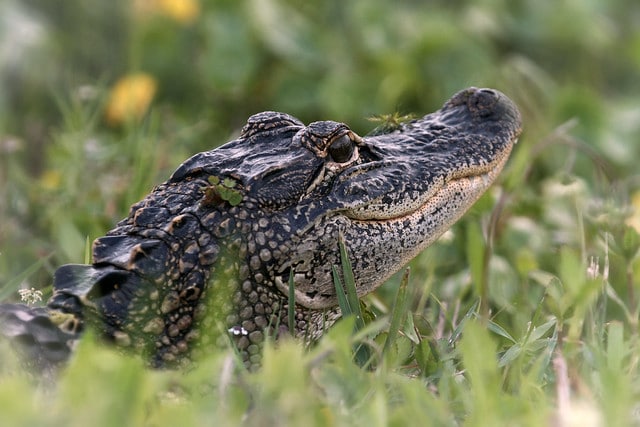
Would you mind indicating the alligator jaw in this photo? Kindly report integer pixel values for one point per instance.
(469, 187)
(388, 246)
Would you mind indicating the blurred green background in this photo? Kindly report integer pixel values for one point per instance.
(101, 100)
(69, 168)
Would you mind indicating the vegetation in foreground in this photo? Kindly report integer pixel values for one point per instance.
(525, 313)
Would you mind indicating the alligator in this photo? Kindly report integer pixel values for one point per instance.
(208, 255)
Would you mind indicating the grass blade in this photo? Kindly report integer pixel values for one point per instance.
(398, 312)
(350, 284)
(472, 312)
(499, 330)
(343, 303)
(349, 302)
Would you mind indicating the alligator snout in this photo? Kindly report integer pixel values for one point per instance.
(488, 104)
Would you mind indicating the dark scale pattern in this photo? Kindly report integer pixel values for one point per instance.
(189, 269)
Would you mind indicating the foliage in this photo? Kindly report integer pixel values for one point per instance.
(525, 313)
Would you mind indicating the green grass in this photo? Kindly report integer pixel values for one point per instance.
(525, 313)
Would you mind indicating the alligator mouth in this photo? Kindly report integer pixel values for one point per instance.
(466, 189)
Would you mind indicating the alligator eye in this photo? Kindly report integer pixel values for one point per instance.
(341, 149)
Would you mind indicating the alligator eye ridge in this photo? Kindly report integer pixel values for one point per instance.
(341, 149)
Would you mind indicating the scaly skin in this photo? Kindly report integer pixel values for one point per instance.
(207, 255)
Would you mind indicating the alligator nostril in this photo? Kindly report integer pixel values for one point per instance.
(483, 102)
(488, 91)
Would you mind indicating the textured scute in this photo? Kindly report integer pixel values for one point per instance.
(80, 280)
(146, 257)
(242, 158)
(105, 291)
(36, 336)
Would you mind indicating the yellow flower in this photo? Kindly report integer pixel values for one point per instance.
(182, 11)
(51, 179)
(130, 98)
